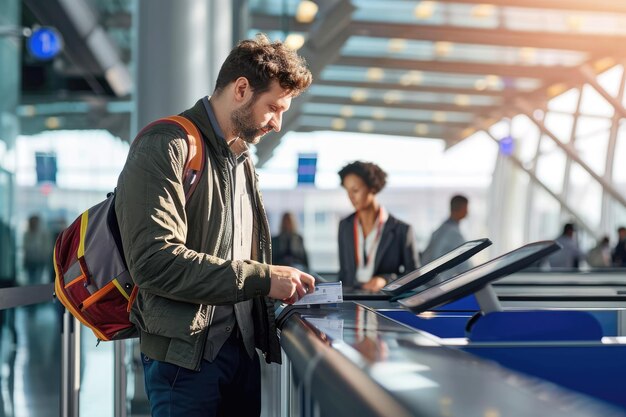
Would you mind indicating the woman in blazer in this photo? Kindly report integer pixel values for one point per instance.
(374, 246)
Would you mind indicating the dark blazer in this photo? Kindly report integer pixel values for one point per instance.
(396, 254)
(619, 254)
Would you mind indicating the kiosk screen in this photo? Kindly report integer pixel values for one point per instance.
(476, 278)
(425, 273)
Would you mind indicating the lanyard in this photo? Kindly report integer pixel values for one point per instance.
(379, 228)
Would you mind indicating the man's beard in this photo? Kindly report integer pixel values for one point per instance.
(242, 126)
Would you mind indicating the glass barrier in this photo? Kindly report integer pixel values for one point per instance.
(30, 349)
(96, 376)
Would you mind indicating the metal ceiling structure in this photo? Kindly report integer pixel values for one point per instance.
(444, 69)
(430, 69)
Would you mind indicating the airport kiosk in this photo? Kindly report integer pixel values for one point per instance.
(565, 347)
(405, 285)
(346, 360)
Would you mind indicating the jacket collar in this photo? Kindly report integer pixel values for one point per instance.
(198, 115)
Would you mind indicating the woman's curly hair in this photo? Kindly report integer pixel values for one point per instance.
(371, 174)
(261, 61)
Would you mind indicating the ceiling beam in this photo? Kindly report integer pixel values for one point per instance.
(600, 43)
(456, 67)
(452, 136)
(603, 6)
(267, 22)
(118, 124)
(411, 106)
(413, 121)
(415, 88)
(492, 36)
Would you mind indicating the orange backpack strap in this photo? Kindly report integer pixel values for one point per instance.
(195, 158)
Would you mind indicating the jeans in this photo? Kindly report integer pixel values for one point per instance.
(228, 386)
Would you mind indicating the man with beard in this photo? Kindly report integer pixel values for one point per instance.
(205, 286)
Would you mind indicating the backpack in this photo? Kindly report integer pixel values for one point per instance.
(91, 276)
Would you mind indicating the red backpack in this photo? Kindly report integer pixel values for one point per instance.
(92, 279)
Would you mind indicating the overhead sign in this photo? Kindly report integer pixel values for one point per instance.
(507, 145)
(45, 43)
(46, 167)
(307, 164)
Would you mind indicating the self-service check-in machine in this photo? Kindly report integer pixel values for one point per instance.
(566, 347)
(563, 346)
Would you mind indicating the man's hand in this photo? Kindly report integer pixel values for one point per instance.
(289, 284)
(374, 284)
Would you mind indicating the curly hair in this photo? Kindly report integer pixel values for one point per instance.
(371, 174)
(261, 61)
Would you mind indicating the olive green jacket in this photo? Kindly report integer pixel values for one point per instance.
(176, 251)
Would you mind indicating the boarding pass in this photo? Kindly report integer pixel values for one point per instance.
(325, 292)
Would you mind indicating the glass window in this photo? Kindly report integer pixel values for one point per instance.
(619, 161)
(526, 134)
(565, 102)
(619, 213)
(610, 79)
(560, 125)
(585, 194)
(545, 216)
(551, 165)
(90, 171)
(500, 129)
(594, 104)
(592, 139)
(556, 21)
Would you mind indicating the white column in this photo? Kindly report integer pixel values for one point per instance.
(179, 48)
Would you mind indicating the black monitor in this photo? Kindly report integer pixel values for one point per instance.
(427, 272)
(476, 278)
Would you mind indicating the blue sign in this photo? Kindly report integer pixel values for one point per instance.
(307, 166)
(46, 167)
(507, 145)
(45, 43)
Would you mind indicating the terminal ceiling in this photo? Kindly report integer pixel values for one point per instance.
(424, 69)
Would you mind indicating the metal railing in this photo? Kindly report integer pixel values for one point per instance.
(22, 296)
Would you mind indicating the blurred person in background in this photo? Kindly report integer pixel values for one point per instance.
(7, 256)
(570, 255)
(37, 245)
(600, 255)
(57, 226)
(374, 246)
(448, 236)
(619, 253)
(288, 245)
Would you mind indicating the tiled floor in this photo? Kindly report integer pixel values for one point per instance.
(30, 372)
(30, 348)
